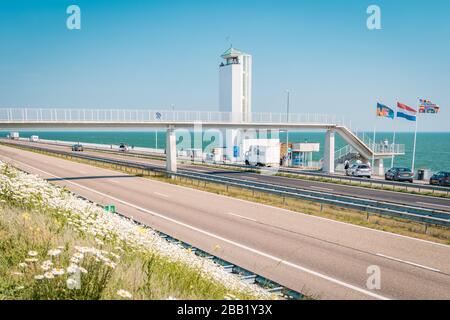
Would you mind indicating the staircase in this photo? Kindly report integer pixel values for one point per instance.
(347, 153)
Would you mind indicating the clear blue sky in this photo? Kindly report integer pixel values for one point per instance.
(157, 53)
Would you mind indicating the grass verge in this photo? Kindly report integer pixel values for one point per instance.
(56, 246)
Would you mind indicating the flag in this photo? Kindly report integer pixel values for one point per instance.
(384, 111)
(408, 113)
(426, 106)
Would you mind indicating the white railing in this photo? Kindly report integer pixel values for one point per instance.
(342, 152)
(380, 147)
(153, 116)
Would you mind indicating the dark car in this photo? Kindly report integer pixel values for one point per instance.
(399, 174)
(77, 147)
(441, 178)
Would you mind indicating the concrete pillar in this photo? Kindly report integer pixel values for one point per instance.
(171, 150)
(378, 167)
(328, 158)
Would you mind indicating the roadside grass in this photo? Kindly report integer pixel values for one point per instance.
(47, 254)
(374, 221)
(144, 276)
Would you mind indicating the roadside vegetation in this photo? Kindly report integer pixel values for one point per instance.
(54, 245)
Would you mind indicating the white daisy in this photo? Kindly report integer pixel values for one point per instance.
(124, 294)
(54, 252)
(32, 253)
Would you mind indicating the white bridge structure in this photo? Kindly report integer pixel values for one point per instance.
(169, 120)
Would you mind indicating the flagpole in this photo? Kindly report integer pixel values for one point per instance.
(415, 137)
(373, 142)
(393, 141)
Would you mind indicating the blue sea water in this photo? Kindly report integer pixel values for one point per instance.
(432, 152)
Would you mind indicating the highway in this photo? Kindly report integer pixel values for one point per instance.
(316, 256)
(353, 191)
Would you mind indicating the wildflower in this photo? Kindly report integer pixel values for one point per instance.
(116, 256)
(58, 272)
(46, 265)
(124, 294)
(31, 260)
(83, 270)
(230, 296)
(73, 268)
(75, 260)
(100, 242)
(49, 275)
(39, 277)
(54, 252)
(23, 265)
(110, 264)
(78, 255)
(71, 283)
(32, 253)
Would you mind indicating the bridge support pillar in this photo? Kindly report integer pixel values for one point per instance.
(328, 159)
(378, 167)
(171, 150)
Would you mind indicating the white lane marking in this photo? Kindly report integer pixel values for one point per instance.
(432, 204)
(212, 235)
(242, 217)
(114, 181)
(161, 194)
(408, 262)
(320, 188)
(253, 178)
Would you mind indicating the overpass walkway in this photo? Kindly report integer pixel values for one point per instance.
(170, 120)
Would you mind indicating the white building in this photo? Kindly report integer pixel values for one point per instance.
(235, 93)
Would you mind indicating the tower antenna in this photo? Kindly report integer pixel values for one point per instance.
(228, 38)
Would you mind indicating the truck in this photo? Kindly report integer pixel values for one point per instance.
(14, 135)
(34, 138)
(262, 152)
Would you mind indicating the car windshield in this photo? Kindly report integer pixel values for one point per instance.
(404, 170)
(364, 166)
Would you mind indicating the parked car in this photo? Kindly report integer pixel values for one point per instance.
(77, 147)
(123, 147)
(359, 170)
(399, 174)
(441, 178)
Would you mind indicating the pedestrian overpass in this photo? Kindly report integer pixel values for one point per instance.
(170, 120)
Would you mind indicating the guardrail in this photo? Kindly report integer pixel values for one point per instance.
(381, 183)
(414, 213)
(371, 182)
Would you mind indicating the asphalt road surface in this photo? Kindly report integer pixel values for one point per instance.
(429, 202)
(321, 257)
